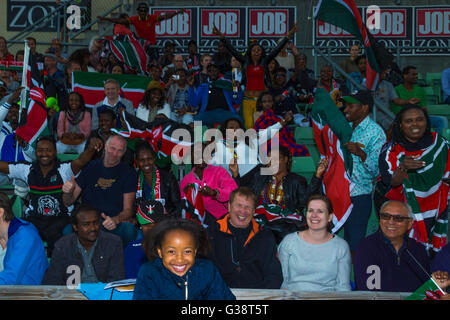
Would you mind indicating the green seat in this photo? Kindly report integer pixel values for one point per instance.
(17, 207)
(439, 110)
(67, 156)
(432, 78)
(314, 152)
(432, 97)
(304, 135)
(304, 166)
(421, 81)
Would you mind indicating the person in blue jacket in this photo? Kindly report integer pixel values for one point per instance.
(25, 261)
(174, 271)
(215, 99)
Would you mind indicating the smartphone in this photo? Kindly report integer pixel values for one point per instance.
(176, 77)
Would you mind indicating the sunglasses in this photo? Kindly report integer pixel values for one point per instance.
(397, 218)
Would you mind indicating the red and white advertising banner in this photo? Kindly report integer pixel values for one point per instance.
(399, 26)
(239, 24)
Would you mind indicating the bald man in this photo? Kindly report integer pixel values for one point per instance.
(170, 70)
(110, 186)
(389, 260)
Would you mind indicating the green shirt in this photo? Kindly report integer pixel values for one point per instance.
(417, 92)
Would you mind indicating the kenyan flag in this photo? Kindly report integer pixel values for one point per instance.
(131, 52)
(11, 65)
(91, 86)
(345, 14)
(428, 291)
(331, 131)
(424, 190)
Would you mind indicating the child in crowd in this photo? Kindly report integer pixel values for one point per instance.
(175, 271)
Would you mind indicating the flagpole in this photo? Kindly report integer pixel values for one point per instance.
(23, 93)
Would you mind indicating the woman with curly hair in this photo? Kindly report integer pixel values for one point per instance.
(153, 103)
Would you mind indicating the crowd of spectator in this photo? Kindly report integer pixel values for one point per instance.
(113, 209)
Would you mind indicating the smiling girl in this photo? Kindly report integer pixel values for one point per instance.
(174, 271)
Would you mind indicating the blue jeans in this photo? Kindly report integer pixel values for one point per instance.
(209, 118)
(355, 227)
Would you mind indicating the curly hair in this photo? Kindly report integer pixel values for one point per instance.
(397, 134)
(154, 239)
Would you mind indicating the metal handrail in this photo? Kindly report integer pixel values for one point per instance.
(73, 36)
(377, 102)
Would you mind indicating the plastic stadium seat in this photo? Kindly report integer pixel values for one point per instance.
(314, 152)
(439, 110)
(432, 97)
(17, 206)
(304, 166)
(432, 78)
(67, 156)
(304, 135)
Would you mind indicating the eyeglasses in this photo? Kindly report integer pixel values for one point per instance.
(397, 218)
(281, 75)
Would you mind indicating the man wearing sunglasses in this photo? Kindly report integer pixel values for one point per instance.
(389, 260)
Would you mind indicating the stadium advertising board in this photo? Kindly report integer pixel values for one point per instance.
(20, 14)
(239, 24)
(400, 26)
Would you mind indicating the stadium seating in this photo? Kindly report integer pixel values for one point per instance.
(67, 156)
(304, 166)
(439, 110)
(432, 98)
(434, 81)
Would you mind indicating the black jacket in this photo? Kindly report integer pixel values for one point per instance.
(107, 259)
(295, 187)
(257, 266)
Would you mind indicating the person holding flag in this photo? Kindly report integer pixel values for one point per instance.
(365, 145)
(415, 168)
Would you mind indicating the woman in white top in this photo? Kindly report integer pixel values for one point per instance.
(315, 259)
(235, 153)
(153, 103)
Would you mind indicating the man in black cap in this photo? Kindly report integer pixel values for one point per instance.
(365, 147)
(149, 212)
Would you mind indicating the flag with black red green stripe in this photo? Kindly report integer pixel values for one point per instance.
(331, 131)
(131, 52)
(91, 86)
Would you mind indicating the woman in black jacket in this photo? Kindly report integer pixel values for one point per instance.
(283, 188)
(155, 183)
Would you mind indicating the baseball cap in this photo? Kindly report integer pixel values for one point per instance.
(362, 96)
(150, 211)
